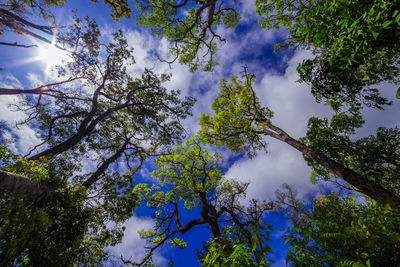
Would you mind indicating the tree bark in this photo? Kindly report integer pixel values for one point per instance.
(365, 186)
(22, 186)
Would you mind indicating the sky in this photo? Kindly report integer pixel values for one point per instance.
(276, 86)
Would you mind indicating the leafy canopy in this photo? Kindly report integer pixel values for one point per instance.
(240, 124)
(338, 230)
(190, 26)
(356, 44)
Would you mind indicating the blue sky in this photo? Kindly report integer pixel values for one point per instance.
(275, 85)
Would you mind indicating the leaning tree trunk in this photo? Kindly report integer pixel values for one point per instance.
(21, 186)
(365, 186)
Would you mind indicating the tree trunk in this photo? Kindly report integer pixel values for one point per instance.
(365, 186)
(209, 214)
(22, 186)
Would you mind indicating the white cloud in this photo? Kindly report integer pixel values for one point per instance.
(132, 246)
(23, 136)
(268, 171)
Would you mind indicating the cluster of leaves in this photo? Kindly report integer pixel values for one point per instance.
(119, 8)
(238, 119)
(337, 230)
(233, 249)
(355, 42)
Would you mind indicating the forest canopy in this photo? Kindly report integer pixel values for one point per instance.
(145, 143)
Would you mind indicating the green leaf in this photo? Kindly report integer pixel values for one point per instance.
(386, 24)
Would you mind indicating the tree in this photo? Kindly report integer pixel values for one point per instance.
(240, 123)
(338, 230)
(189, 178)
(356, 45)
(190, 34)
(190, 25)
(108, 113)
(105, 116)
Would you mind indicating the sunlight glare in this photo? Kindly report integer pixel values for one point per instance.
(51, 55)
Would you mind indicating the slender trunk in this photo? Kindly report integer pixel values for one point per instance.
(365, 186)
(11, 16)
(20, 185)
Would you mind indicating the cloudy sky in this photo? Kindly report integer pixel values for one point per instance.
(275, 85)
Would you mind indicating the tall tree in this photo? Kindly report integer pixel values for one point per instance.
(338, 230)
(108, 112)
(240, 123)
(189, 178)
(356, 44)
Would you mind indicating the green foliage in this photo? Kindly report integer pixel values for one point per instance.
(35, 170)
(187, 172)
(105, 116)
(64, 231)
(233, 248)
(184, 170)
(190, 27)
(339, 231)
(239, 120)
(356, 45)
